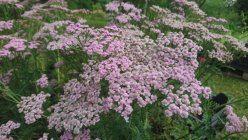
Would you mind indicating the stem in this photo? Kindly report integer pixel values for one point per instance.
(9, 93)
(58, 69)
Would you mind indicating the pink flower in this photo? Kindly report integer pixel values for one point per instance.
(5, 129)
(6, 24)
(235, 124)
(43, 81)
(31, 106)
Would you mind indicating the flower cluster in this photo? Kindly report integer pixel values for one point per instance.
(124, 11)
(50, 30)
(31, 106)
(78, 107)
(50, 5)
(8, 1)
(16, 45)
(16, 3)
(202, 30)
(235, 124)
(105, 41)
(6, 25)
(66, 40)
(43, 81)
(78, 28)
(142, 65)
(5, 130)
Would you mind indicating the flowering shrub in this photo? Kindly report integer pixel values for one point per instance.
(133, 62)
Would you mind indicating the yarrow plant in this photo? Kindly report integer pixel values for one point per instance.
(202, 29)
(235, 124)
(4, 25)
(32, 106)
(43, 81)
(124, 12)
(134, 61)
(5, 130)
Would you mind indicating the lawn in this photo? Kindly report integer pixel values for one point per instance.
(233, 87)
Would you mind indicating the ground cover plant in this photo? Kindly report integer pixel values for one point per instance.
(120, 72)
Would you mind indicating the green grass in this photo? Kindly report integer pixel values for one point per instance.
(233, 87)
(217, 8)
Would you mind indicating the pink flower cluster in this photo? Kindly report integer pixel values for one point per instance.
(43, 81)
(50, 30)
(203, 30)
(63, 43)
(78, 28)
(31, 106)
(8, 1)
(105, 41)
(5, 130)
(51, 5)
(142, 65)
(65, 40)
(6, 25)
(214, 19)
(78, 107)
(17, 45)
(235, 124)
(125, 11)
(113, 66)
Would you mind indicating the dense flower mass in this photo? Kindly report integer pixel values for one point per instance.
(132, 72)
(8, 1)
(78, 107)
(202, 30)
(31, 106)
(235, 124)
(5, 130)
(132, 60)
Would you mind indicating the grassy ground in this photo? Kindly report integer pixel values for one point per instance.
(217, 8)
(233, 87)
